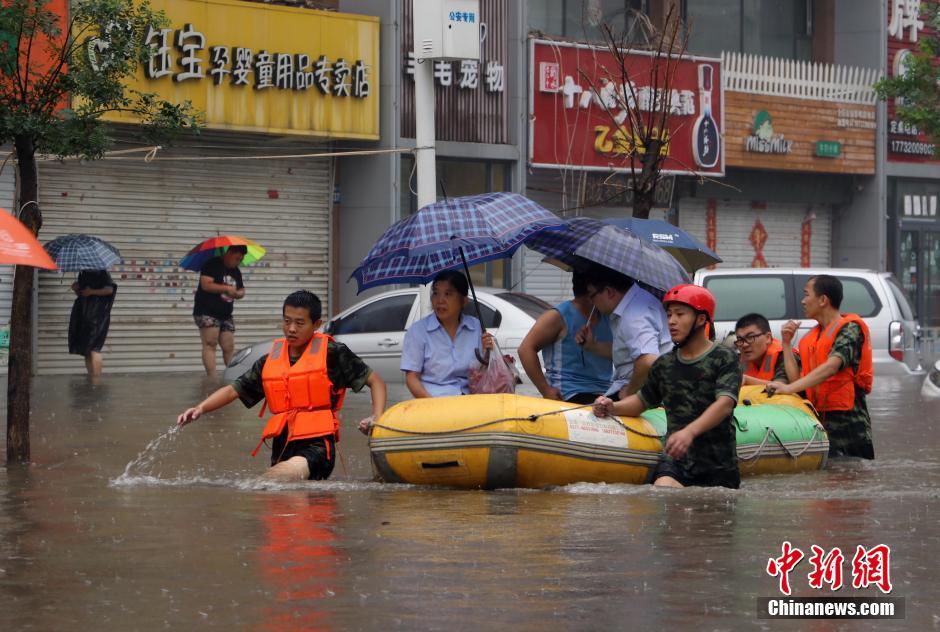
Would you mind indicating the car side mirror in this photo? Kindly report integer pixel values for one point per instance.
(330, 326)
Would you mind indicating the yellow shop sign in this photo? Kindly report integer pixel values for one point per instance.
(265, 68)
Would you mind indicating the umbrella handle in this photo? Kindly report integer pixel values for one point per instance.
(476, 304)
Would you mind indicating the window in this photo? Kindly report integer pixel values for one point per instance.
(491, 317)
(858, 296)
(529, 304)
(387, 314)
(782, 28)
(581, 19)
(740, 295)
(901, 298)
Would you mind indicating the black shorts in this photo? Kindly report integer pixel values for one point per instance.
(320, 453)
(714, 478)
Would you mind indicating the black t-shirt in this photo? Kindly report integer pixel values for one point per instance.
(216, 305)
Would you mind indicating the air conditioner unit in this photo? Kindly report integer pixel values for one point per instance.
(446, 29)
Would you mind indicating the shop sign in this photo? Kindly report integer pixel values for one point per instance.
(466, 74)
(785, 133)
(266, 68)
(828, 148)
(575, 121)
(906, 25)
(763, 140)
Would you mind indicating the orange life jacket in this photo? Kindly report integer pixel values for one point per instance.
(767, 368)
(838, 392)
(300, 396)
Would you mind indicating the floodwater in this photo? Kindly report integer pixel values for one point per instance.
(96, 535)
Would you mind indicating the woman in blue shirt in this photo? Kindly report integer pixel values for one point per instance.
(438, 351)
(578, 367)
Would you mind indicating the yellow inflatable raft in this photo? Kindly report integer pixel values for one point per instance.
(498, 441)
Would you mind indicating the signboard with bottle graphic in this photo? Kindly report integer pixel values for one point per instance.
(578, 110)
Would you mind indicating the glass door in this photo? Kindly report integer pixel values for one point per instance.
(931, 278)
(909, 260)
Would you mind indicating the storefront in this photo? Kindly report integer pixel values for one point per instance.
(582, 148)
(272, 81)
(477, 132)
(913, 182)
(798, 139)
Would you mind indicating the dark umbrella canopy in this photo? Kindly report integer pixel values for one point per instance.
(687, 250)
(590, 240)
(76, 252)
(478, 227)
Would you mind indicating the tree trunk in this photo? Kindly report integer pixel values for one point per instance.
(21, 316)
(644, 185)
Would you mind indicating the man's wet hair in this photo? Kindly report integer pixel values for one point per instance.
(241, 249)
(601, 277)
(829, 286)
(305, 299)
(456, 279)
(757, 320)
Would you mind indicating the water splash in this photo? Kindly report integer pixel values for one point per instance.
(140, 467)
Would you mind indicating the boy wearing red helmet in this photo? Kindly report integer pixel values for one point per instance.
(697, 383)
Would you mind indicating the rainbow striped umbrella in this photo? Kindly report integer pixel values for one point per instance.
(216, 247)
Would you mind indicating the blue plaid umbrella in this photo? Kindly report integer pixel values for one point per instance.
(590, 240)
(450, 234)
(687, 250)
(76, 252)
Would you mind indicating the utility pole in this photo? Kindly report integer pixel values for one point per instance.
(443, 30)
(425, 156)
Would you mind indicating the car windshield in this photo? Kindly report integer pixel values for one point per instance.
(531, 305)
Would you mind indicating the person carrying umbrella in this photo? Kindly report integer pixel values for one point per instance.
(91, 317)
(440, 349)
(94, 293)
(220, 285)
(572, 372)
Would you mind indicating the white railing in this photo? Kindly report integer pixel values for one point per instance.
(800, 79)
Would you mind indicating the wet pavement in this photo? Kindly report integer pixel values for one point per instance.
(101, 533)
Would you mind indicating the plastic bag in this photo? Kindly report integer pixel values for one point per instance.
(495, 376)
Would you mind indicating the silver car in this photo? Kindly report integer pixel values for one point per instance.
(776, 293)
(374, 328)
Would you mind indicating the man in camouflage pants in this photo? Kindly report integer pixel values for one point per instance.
(836, 368)
(697, 383)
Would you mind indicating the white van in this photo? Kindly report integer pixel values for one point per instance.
(776, 293)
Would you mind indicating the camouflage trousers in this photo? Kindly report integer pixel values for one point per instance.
(848, 435)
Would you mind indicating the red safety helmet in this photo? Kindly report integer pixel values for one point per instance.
(698, 298)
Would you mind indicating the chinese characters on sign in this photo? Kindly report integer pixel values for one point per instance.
(905, 18)
(870, 567)
(583, 115)
(462, 16)
(905, 25)
(466, 73)
(242, 66)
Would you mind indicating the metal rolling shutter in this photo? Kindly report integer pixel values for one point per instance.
(154, 213)
(735, 220)
(8, 203)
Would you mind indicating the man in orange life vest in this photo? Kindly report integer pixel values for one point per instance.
(764, 358)
(837, 368)
(303, 380)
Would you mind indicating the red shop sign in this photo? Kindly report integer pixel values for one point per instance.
(570, 127)
(908, 22)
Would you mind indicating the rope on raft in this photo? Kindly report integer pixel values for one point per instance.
(531, 418)
(770, 433)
